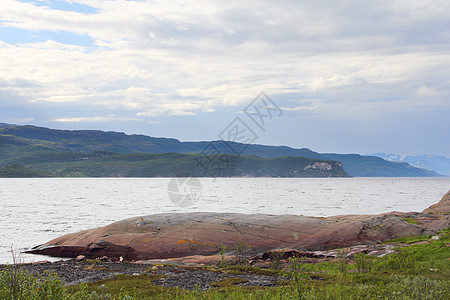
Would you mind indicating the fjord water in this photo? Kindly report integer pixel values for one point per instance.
(33, 211)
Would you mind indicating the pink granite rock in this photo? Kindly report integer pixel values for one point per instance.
(174, 235)
(442, 207)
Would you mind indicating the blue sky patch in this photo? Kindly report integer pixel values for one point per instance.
(63, 5)
(17, 36)
(351, 78)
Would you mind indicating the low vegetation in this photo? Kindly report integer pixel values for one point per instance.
(54, 151)
(411, 220)
(412, 271)
(109, 164)
(19, 171)
(228, 282)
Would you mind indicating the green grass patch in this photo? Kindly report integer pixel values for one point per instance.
(410, 239)
(240, 269)
(412, 272)
(435, 251)
(445, 236)
(125, 287)
(410, 220)
(228, 282)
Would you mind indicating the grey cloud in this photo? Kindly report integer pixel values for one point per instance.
(354, 57)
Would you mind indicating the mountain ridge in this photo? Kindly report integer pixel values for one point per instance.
(438, 163)
(17, 141)
(109, 164)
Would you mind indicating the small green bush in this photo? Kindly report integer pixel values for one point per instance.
(16, 283)
(240, 248)
(277, 257)
(401, 260)
(364, 262)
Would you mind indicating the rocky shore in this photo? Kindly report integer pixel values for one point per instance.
(72, 272)
(202, 272)
(171, 236)
(188, 257)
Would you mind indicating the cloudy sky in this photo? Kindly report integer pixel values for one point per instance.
(350, 76)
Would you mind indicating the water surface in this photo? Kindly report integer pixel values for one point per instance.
(34, 211)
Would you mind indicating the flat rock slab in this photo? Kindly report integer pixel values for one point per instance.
(173, 235)
(74, 272)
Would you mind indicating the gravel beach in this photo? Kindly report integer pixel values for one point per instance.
(187, 277)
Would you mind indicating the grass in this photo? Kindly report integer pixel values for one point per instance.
(125, 287)
(240, 269)
(410, 220)
(414, 272)
(17, 284)
(228, 282)
(19, 171)
(410, 239)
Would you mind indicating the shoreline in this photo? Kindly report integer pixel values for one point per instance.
(234, 270)
(190, 272)
(174, 235)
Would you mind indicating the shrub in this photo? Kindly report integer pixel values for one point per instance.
(240, 247)
(16, 283)
(276, 257)
(223, 262)
(299, 275)
(341, 263)
(364, 262)
(400, 260)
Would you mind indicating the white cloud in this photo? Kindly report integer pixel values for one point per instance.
(185, 58)
(94, 119)
(307, 105)
(19, 120)
(178, 108)
(426, 91)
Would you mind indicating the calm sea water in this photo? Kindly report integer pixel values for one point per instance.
(34, 211)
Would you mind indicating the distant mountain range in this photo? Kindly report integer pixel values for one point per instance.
(65, 152)
(439, 164)
(110, 164)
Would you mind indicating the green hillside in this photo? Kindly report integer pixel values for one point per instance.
(29, 142)
(18, 171)
(108, 164)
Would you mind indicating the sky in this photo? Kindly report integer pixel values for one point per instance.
(344, 76)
